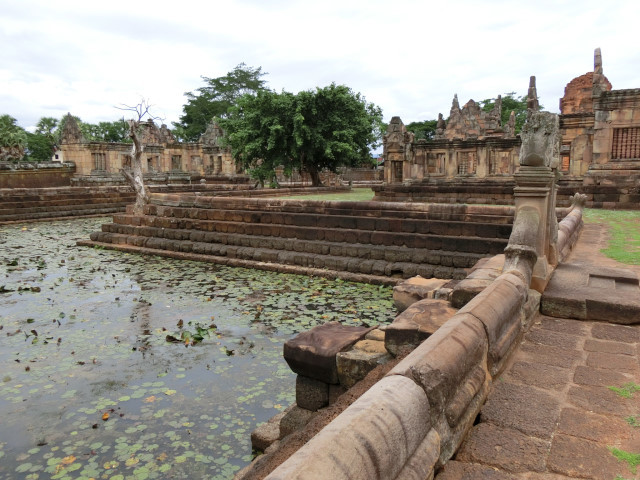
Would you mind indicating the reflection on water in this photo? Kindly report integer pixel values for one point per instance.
(90, 386)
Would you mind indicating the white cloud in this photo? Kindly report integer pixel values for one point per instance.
(409, 57)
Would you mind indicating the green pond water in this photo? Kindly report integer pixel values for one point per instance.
(118, 366)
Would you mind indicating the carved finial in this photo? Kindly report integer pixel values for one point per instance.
(599, 81)
(440, 123)
(510, 129)
(597, 62)
(532, 96)
(455, 104)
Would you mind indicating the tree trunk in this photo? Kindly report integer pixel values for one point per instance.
(315, 176)
(137, 180)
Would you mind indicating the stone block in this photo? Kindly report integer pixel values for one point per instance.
(294, 419)
(416, 324)
(414, 289)
(313, 353)
(376, 334)
(373, 438)
(267, 433)
(354, 364)
(311, 394)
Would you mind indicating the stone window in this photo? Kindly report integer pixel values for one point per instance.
(466, 163)
(99, 161)
(176, 162)
(626, 143)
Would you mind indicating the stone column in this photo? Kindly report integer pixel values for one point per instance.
(535, 188)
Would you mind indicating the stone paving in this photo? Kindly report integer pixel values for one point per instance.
(566, 403)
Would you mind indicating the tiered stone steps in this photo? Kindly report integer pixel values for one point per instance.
(48, 203)
(382, 240)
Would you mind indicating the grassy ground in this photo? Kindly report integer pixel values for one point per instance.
(624, 227)
(355, 195)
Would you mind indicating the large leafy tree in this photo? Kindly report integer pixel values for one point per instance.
(259, 132)
(216, 98)
(510, 103)
(13, 139)
(313, 130)
(425, 130)
(41, 143)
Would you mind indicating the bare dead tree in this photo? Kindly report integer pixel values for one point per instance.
(135, 177)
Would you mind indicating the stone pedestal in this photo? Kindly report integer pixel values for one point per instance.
(535, 188)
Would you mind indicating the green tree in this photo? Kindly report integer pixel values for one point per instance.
(116, 131)
(310, 131)
(216, 98)
(13, 139)
(259, 131)
(425, 130)
(510, 103)
(41, 144)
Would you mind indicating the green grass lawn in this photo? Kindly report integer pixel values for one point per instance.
(624, 227)
(355, 195)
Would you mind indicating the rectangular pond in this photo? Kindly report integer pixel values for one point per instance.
(118, 366)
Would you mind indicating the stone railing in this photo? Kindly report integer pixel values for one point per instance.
(412, 421)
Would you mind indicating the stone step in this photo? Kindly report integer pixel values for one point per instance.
(484, 246)
(95, 210)
(463, 213)
(352, 221)
(367, 266)
(60, 206)
(355, 250)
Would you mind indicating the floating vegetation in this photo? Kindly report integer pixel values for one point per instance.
(91, 384)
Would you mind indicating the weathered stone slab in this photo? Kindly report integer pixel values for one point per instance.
(268, 433)
(579, 458)
(481, 276)
(504, 448)
(415, 289)
(522, 407)
(455, 470)
(587, 292)
(313, 353)
(353, 365)
(416, 324)
(294, 419)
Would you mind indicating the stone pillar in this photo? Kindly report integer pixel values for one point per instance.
(535, 188)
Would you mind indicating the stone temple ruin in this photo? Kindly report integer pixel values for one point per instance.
(473, 157)
(165, 159)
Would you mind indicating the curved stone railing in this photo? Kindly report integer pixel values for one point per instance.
(570, 227)
(412, 421)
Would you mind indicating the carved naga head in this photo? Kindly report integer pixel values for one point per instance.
(540, 140)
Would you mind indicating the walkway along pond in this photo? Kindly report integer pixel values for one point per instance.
(119, 366)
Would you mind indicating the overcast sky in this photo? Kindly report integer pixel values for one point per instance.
(408, 57)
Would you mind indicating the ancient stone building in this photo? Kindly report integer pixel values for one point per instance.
(472, 145)
(600, 130)
(164, 158)
(473, 157)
